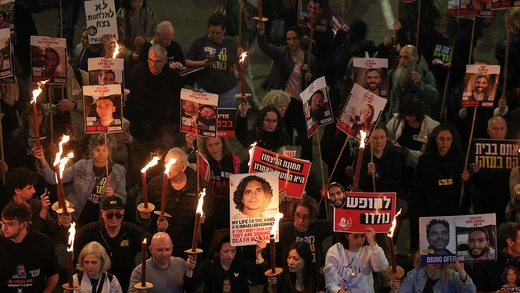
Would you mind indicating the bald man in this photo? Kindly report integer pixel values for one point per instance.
(164, 271)
(164, 35)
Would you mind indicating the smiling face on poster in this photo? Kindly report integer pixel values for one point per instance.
(49, 60)
(199, 113)
(315, 13)
(103, 108)
(476, 237)
(103, 71)
(253, 204)
(316, 106)
(437, 240)
(372, 74)
(480, 85)
(361, 112)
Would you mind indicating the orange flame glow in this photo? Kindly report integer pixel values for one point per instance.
(201, 202)
(363, 136)
(72, 234)
(152, 163)
(277, 218)
(38, 91)
(394, 223)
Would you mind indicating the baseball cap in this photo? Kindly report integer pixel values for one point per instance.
(112, 202)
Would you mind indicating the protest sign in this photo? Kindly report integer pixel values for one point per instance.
(444, 238)
(495, 155)
(104, 71)
(314, 15)
(103, 108)
(48, 59)
(316, 106)
(361, 112)
(253, 202)
(365, 209)
(453, 7)
(476, 237)
(500, 4)
(6, 54)
(480, 85)
(101, 20)
(199, 113)
(293, 172)
(372, 74)
(226, 122)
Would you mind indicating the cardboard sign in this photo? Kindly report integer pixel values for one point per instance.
(293, 172)
(365, 209)
(253, 202)
(103, 108)
(199, 113)
(104, 71)
(316, 106)
(443, 239)
(48, 59)
(226, 122)
(495, 155)
(6, 53)
(372, 74)
(480, 85)
(101, 20)
(361, 112)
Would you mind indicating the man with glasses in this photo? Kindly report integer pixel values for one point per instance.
(121, 240)
(154, 99)
(23, 246)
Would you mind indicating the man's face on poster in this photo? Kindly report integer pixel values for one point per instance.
(188, 107)
(439, 237)
(20, 271)
(207, 116)
(106, 77)
(373, 79)
(481, 84)
(314, 9)
(38, 56)
(477, 243)
(254, 196)
(105, 109)
(337, 196)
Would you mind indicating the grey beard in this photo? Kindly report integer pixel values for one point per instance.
(402, 76)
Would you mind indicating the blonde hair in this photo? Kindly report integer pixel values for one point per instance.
(99, 251)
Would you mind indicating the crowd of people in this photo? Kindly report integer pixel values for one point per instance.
(417, 151)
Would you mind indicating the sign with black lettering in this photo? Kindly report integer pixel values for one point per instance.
(365, 209)
(101, 20)
(226, 122)
(493, 155)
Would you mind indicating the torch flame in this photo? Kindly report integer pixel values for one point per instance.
(363, 136)
(64, 140)
(394, 223)
(116, 50)
(152, 163)
(144, 241)
(243, 57)
(64, 161)
(168, 165)
(277, 218)
(251, 152)
(201, 202)
(72, 233)
(38, 91)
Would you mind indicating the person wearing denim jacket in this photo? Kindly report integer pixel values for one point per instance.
(448, 280)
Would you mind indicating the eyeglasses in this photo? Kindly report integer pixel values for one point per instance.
(119, 216)
(270, 120)
(304, 218)
(155, 62)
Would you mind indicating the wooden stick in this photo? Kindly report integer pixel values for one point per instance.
(468, 150)
(197, 162)
(372, 161)
(418, 24)
(106, 156)
(50, 91)
(506, 57)
(472, 38)
(445, 93)
(337, 160)
(396, 17)
(2, 144)
(321, 164)
(61, 18)
(309, 55)
(239, 26)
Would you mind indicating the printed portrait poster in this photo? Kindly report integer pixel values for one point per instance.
(253, 202)
(453, 7)
(476, 237)
(49, 60)
(438, 245)
(361, 112)
(226, 122)
(103, 108)
(316, 106)
(199, 113)
(7, 6)
(101, 20)
(469, 8)
(495, 155)
(480, 85)
(500, 4)
(103, 71)
(372, 74)
(314, 15)
(293, 171)
(6, 60)
(365, 209)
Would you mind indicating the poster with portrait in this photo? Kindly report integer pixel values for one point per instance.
(103, 71)
(361, 112)
(495, 155)
(485, 9)
(226, 122)
(101, 20)
(49, 60)
(469, 8)
(314, 14)
(480, 85)
(476, 237)
(365, 209)
(293, 171)
(253, 202)
(316, 106)
(199, 113)
(437, 242)
(453, 7)
(7, 7)
(103, 108)
(6, 53)
(500, 4)
(372, 74)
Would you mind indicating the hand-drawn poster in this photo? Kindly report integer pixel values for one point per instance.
(365, 209)
(226, 122)
(361, 112)
(372, 74)
(103, 108)
(199, 113)
(314, 14)
(253, 201)
(101, 20)
(476, 237)
(480, 85)
(316, 106)
(49, 60)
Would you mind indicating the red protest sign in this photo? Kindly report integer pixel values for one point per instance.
(365, 209)
(293, 172)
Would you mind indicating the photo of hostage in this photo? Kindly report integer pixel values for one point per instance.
(438, 236)
(51, 63)
(189, 108)
(364, 121)
(317, 106)
(479, 92)
(206, 118)
(252, 196)
(372, 80)
(107, 113)
(106, 76)
(478, 246)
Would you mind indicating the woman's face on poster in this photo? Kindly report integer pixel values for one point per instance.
(366, 113)
(51, 60)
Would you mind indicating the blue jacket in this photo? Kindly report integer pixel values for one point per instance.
(415, 281)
